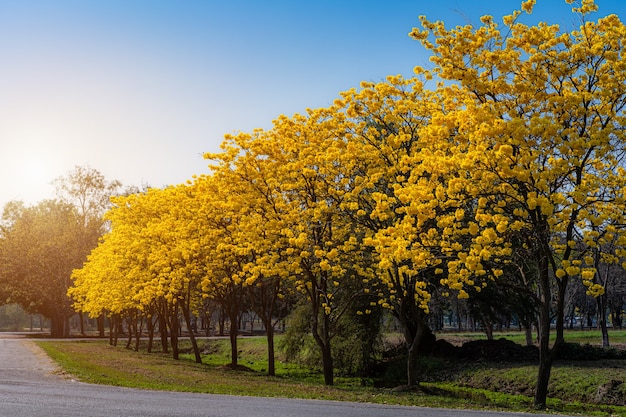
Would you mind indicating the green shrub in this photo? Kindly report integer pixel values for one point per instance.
(356, 344)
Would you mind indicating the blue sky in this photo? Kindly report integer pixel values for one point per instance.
(140, 89)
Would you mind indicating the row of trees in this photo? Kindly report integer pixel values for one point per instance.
(513, 167)
(402, 193)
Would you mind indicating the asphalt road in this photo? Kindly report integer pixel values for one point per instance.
(32, 385)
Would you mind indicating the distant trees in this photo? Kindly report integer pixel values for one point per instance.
(41, 245)
(38, 253)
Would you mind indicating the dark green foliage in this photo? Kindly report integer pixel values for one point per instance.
(587, 352)
(297, 343)
(359, 340)
(356, 342)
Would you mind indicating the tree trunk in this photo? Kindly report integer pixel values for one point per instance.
(271, 360)
(117, 323)
(206, 323)
(488, 329)
(221, 321)
(111, 326)
(327, 363)
(264, 298)
(543, 377)
(59, 326)
(234, 353)
(192, 337)
(411, 363)
(547, 355)
(528, 331)
(545, 361)
(174, 331)
(321, 334)
(560, 311)
(130, 324)
(151, 325)
(100, 322)
(601, 303)
(416, 335)
(617, 319)
(163, 331)
(82, 323)
(138, 330)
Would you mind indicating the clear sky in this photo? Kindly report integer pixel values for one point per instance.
(140, 89)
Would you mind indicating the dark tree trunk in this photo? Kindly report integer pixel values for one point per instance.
(528, 331)
(488, 329)
(320, 329)
(617, 319)
(82, 323)
(206, 323)
(111, 325)
(163, 331)
(327, 363)
(130, 324)
(138, 329)
(114, 329)
(174, 327)
(100, 322)
(547, 355)
(412, 374)
(416, 334)
(192, 337)
(271, 359)
(545, 361)
(560, 311)
(59, 326)
(222, 319)
(321, 334)
(264, 298)
(151, 325)
(234, 329)
(601, 303)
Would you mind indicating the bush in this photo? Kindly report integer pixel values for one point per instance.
(298, 344)
(355, 346)
(586, 352)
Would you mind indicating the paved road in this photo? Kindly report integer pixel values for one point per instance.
(32, 385)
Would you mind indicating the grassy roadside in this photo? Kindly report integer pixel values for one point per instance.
(470, 387)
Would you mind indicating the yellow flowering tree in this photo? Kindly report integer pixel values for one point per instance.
(263, 270)
(297, 168)
(219, 219)
(406, 196)
(545, 132)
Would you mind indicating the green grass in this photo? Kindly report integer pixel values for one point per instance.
(592, 337)
(451, 383)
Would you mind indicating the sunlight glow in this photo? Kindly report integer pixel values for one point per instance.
(28, 173)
